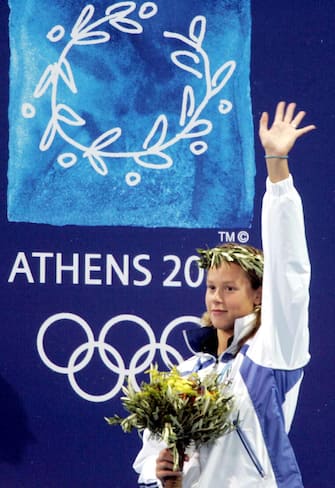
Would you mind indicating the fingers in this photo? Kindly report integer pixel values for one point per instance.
(297, 119)
(279, 113)
(289, 113)
(263, 122)
(164, 465)
(306, 129)
(286, 113)
(165, 460)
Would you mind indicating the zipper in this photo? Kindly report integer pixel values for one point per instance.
(251, 453)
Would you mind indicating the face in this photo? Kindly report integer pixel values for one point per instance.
(229, 295)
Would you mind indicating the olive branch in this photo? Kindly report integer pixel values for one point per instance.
(245, 256)
(178, 410)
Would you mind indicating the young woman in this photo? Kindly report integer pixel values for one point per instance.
(258, 340)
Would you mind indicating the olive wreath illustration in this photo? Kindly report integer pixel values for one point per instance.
(192, 58)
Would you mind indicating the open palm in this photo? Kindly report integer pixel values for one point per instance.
(279, 139)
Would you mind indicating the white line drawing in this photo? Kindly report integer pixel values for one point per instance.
(139, 363)
(193, 59)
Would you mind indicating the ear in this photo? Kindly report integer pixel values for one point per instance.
(258, 296)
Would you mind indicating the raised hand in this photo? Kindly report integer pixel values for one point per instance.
(279, 139)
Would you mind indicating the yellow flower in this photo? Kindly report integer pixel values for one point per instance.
(180, 410)
(181, 385)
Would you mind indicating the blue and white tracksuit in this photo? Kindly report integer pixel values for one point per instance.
(265, 374)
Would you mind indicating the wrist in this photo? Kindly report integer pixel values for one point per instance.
(278, 169)
(276, 156)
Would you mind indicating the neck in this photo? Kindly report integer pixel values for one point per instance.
(223, 337)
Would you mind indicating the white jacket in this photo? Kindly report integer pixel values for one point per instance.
(265, 374)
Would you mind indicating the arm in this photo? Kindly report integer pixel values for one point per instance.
(283, 337)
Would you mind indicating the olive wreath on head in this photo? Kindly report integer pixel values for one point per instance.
(248, 257)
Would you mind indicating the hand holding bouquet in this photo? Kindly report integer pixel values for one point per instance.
(181, 411)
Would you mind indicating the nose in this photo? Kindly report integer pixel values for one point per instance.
(218, 296)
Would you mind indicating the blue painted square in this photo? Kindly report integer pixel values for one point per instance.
(131, 113)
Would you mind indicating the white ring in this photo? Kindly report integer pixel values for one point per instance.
(75, 319)
(118, 320)
(83, 354)
(72, 369)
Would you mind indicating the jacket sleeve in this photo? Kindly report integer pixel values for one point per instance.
(145, 462)
(282, 341)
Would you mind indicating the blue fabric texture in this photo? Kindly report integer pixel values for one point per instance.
(131, 113)
(267, 395)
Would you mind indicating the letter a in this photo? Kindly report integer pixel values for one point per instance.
(21, 266)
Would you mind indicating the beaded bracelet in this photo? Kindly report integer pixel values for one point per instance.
(275, 157)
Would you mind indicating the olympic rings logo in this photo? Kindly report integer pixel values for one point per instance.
(83, 354)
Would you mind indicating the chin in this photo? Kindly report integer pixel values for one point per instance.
(225, 327)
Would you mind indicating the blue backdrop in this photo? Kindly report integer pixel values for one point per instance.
(130, 110)
(90, 293)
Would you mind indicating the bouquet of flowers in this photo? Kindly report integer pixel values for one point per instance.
(181, 411)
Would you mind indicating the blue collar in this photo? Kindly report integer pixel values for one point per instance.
(204, 339)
